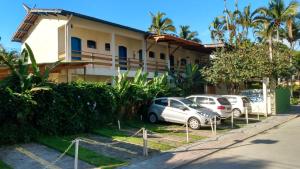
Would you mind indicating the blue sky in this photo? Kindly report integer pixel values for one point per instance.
(134, 13)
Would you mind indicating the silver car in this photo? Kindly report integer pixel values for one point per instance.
(180, 110)
(216, 103)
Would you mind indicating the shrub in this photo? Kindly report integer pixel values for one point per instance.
(73, 108)
(61, 110)
(16, 117)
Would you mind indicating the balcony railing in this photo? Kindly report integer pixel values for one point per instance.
(129, 63)
(157, 66)
(101, 60)
(97, 59)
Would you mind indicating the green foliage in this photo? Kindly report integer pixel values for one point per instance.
(132, 95)
(64, 109)
(160, 24)
(4, 166)
(73, 108)
(295, 101)
(21, 78)
(236, 66)
(16, 117)
(187, 82)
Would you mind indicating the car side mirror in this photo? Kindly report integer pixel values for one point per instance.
(185, 109)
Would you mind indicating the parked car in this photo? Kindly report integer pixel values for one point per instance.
(180, 110)
(216, 103)
(239, 104)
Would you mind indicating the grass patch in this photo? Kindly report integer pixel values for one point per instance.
(164, 129)
(91, 157)
(4, 166)
(121, 136)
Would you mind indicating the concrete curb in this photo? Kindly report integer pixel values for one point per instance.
(189, 153)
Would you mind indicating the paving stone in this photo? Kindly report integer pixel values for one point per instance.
(35, 156)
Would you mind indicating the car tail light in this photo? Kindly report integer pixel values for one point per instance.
(221, 107)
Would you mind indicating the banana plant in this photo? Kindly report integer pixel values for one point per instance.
(21, 78)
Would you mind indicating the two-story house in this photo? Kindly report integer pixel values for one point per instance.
(97, 50)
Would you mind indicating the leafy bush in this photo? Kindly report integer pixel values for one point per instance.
(295, 101)
(73, 108)
(61, 110)
(16, 117)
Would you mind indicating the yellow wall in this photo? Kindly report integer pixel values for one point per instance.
(43, 38)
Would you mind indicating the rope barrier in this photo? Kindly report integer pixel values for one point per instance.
(61, 156)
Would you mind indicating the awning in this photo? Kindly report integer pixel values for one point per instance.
(177, 41)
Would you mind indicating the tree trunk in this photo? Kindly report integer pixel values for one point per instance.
(270, 48)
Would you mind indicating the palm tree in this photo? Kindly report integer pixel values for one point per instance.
(161, 24)
(217, 30)
(245, 20)
(187, 34)
(291, 33)
(276, 14)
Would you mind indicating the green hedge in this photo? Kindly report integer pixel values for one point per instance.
(61, 110)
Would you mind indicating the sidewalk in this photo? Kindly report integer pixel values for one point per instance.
(186, 154)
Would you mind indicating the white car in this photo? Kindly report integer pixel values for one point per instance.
(180, 110)
(216, 103)
(239, 104)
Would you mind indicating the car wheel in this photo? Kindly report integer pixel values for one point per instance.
(236, 112)
(194, 123)
(153, 118)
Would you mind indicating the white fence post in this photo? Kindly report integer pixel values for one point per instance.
(119, 125)
(232, 119)
(215, 121)
(145, 139)
(76, 154)
(141, 117)
(247, 120)
(211, 125)
(187, 131)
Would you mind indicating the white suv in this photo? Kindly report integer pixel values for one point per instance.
(239, 104)
(216, 103)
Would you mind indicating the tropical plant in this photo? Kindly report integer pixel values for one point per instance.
(132, 94)
(24, 76)
(245, 20)
(161, 24)
(277, 14)
(189, 81)
(187, 34)
(217, 30)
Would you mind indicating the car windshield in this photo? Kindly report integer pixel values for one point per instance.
(190, 103)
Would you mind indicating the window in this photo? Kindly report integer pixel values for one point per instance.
(211, 101)
(107, 46)
(151, 54)
(176, 104)
(91, 44)
(162, 56)
(201, 100)
(232, 100)
(197, 61)
(223, 101)
(183, 62)
(162, 102)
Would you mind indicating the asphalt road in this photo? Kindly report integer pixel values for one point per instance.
(278, 148)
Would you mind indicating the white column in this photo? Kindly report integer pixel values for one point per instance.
(68, 42)
(265, 94)
(144, 48)
(113, 54)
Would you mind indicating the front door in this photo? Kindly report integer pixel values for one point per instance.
(76, 48)
(123, 57)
